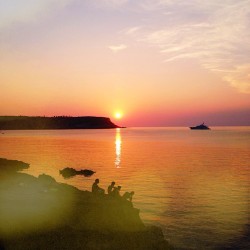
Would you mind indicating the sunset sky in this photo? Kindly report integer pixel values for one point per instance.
(157, 62)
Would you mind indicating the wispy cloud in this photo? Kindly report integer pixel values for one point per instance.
(132, 30)
(115, 2)
(16, 11)
(240, 78)
(117, 48)
(215, 33)
(111, 3)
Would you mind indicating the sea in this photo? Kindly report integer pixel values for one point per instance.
(194, 184)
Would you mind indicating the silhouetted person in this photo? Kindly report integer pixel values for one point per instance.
(116, 191)
(96, 189)
(128, 195)
(111, 187)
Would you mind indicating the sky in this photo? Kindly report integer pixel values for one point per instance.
(157, 62)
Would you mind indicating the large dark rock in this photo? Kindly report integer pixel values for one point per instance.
(40, 213)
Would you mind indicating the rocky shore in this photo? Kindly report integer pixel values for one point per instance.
(40, 213)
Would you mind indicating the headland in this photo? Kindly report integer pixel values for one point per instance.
(56, 122)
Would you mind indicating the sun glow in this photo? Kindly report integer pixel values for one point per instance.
(118, 115)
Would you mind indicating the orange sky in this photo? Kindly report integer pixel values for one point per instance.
(159, 63)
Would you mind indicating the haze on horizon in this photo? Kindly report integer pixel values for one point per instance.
(157, 62)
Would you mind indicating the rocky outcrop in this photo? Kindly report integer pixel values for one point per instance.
(40, 213)
(8, 166)
(58, 122)
(70, 172)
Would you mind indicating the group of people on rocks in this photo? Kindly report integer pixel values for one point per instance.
(112, 190)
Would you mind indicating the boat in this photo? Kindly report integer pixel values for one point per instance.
(200, 127)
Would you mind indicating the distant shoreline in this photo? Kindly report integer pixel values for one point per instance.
(56, 122)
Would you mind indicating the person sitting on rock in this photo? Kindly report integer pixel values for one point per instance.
(111, 187)
(128, 196)
(116, 192)
(96, 189)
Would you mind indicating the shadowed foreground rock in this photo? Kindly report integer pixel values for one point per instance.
(39, 213)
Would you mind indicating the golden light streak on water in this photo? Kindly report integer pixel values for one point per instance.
(118, 146)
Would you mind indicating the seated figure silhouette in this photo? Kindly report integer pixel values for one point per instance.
(96, 189)
(116, 192)
(128, 195)
(111, 187)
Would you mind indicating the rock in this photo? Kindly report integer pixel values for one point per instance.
(70, 172)
(46, 179)
(7, 166)
(86, 172)
(40, 212)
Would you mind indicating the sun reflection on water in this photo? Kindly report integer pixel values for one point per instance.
(118, 143)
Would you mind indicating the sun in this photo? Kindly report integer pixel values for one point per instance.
(118, 115)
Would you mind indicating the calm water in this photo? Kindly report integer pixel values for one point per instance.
(194, 184)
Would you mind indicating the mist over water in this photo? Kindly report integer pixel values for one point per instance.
(193, 184)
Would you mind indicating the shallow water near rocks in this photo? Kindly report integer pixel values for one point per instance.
(193, 184)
